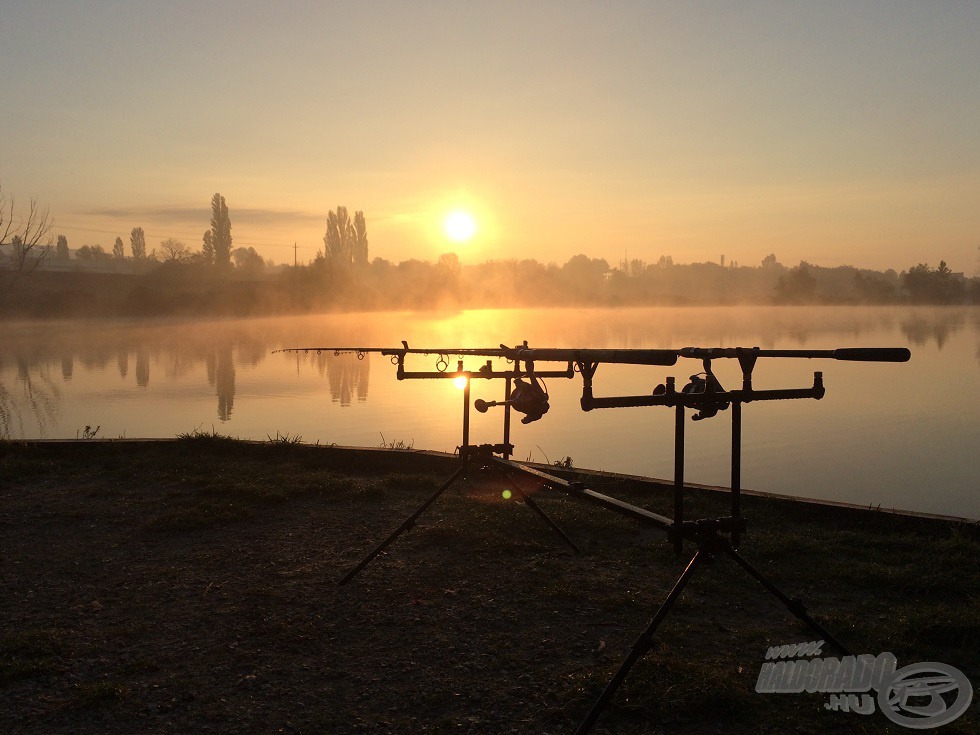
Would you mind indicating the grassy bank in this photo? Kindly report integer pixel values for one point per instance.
(191, 586)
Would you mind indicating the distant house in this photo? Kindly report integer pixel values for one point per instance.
(11, 255)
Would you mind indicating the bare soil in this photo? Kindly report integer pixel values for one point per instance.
(191, 587)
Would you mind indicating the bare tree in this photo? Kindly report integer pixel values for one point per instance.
(174, 250)
(21, 249)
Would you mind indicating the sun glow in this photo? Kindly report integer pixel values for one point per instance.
(460, 226)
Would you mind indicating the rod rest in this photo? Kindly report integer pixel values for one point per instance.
(487, 450)
(664, 396)
(705, 531)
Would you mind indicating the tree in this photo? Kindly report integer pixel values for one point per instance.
(938, 286)
(360, 254)
(449, 265)
(799, 286)
(117, 249)
(137, 243)
(23, 235)
(207, 249)
(249, 262)
(61, 251)
(174, 250)
(92, 253)
(220, 231)
(338, 242)
(873, 289)
(770, 261)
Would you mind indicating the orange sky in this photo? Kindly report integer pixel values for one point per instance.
(833, 132)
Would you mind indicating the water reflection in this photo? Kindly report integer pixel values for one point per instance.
(37, 355)
(346, 375)
(142, 367)
(32, 396)
(215, 355)
(221, 377)
(933, 326)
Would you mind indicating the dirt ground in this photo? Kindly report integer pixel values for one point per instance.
(192, 586)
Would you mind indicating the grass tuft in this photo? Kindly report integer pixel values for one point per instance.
(285, 439)
(397, 445)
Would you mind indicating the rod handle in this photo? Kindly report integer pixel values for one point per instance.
(873, 354)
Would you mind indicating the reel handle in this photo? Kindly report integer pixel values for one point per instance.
(483, 406)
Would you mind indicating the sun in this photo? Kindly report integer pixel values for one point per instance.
(459, 226)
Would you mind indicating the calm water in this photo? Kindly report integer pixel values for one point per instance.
(896, 435)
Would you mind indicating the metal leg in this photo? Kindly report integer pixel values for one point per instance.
(794, 606)
(409, 522)
(537, 509)
(709, 546)
(736, 469)
(641, 646)
(678, 477)
(506, 451)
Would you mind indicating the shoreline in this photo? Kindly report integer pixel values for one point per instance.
(660, 484)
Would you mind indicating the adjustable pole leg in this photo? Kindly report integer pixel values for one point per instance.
(464, 452)
(506, 451)
(736, 469)
(641, 646)
(409, 522)
(537, 509)
(794, 606)
(678, 474)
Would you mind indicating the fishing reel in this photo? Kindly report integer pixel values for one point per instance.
(706, 385)
(710, 397)
(529, 398)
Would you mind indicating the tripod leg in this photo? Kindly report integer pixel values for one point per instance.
(641, 646)
(537, 509)
(794, 606)
(409, 522)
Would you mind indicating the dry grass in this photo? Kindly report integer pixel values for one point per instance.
(190, 586)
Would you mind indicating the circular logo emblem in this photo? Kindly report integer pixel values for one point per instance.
(914, 698)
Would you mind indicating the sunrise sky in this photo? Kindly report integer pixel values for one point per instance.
(832, 132)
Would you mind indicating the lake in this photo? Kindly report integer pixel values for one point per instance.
(903, 435)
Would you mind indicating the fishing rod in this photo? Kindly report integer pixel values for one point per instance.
(627, 356)
(519, 353)
(704, 392)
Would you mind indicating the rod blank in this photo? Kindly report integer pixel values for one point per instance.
(627, 357)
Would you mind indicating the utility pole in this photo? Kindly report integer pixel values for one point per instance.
(294, 254)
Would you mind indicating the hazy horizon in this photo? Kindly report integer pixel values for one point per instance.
(835, 133)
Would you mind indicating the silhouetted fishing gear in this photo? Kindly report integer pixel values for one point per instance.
(531, 399)
(704, 394)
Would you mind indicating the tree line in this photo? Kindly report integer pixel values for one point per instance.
(218, 278)
(216, 246)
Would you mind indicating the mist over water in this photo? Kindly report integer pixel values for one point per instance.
(895, 435)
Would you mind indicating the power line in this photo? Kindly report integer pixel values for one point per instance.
(117, 233)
